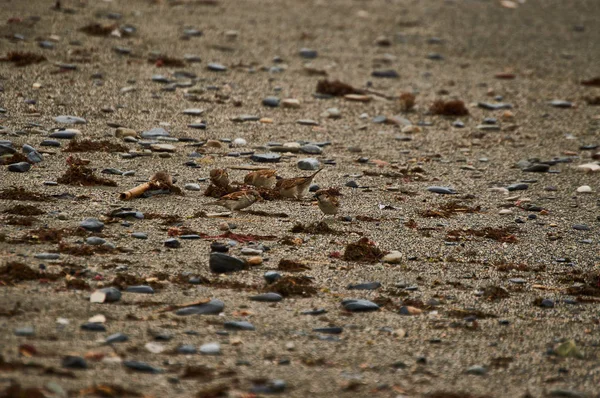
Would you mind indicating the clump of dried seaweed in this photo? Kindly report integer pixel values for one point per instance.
(449, 108)
(80, 175)
(94, 146)
(23, 58)
(362, 251)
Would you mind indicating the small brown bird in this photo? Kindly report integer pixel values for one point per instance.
(261, 178)
(219, 178)
(238, 200)
(295, 187)
(328, 200)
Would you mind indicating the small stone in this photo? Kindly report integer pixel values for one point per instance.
(267, 297)
(476, 370)
(25, 331)
(65, 134)
(590, 167)
(517, 187)
(364, 286)
(69, 120)
(92, 225)
(123, 132)
(142, 367)
(213, 307)
(163, 148)
(21, 167)
(74, 362)
(329, 330)
(584, 189)
(116, 338)
(95, 241)
(441, 190)
(271, 276)
(93, 327)
(192, 187)
(272, 102)
(239, 325)
(172, 243)
(307, 53)
(266, 157)
(359, 305)
(311, 149)
(537, 168)
(547, 303)
(186, 349)
(254, 261)
(358, 97)
(333, 113)
(385, 73)
(409, 310)
(505, 212)
(139, 235)
(581, 227)
(393, 257)
(290, 103)
(106, 295)
(155, 133)
(193, 111)
(561, 104)
(494, 107)
(215, 67)
(47, 256)
(352, 184)
(519, 281)
(143, 289)
(307, 122)
(309, 164)
(220, 263)
(210, 349)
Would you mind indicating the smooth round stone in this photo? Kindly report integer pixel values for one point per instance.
(52, 143)
(476, 370)
(271, 387)
(64, 134)
(192, 58)
(494, 106)
(92, 225)
(561, 104)
(210, 349)
(271, 276)
(190, 237)
(74, 362)
(47, 256)
(272, 102)
(65, 119)
(309, 164)
(519, 281)
(215, 67)
(21, 167)
(333, 113)
(311, 149)
(187, 349)
(359, 305)
(95, 241)
(517, 187)
(266, 157)
(116, 338)
(112, 171)
(93, 327)
(220, 263)
(142, 367)
(238, 325)
(160, 79)
(365, 286)
(172, 243)
(197, 126)
(239, 142)
(6, 149)
(581, 227)
(267, 297)
(442, 190)
(192, 187)
(25, 331)
(385, 74)
(248, 251)
(537, 168)
(155, 133)
(308, 53)
(129, 214)
(142, 289)
(584, 189)
(51, 184)
(112, 294)
(393, 257)
(213, 307)
(219, 247)
(458, 124)
(307, 122)
(27, 148)
(547, 303)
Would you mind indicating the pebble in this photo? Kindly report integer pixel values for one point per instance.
(239, 142)
(116, 338)
(21, 167)
(537, 168)
(163, 148)
(581, 227)
(333, 113)
(248, 251)
(519, 281)
(365, 286)
(92, 225)
(271, 276)
(309, 164)
(266, 157)
(192, 187)
(307, 53)
(95, 241)
(238, 325)
(352, 184)
(393, 257)
(584, 189)
(186, 349)
(65, 134)
(409, 310)
(106, 295)
(142, 289)
(494, 106)
(213, 307)
(561, 104)
(267, 297)
(220, 263)
(307, 122)
(215, 67)
(329, 330)
(74, 362)
(172, 243)
(47, 256)
(385, 73)
(210, 349)
(477, 370)
(24, 331)
(311, 149)
(142, 367)
(517, 187)
(441, 190)
(359, 305)
(219, 247)
(290, 103)
(155, 133)
(272, 102)
(93, 327)
(193, 111)
(65, 119)
(547, 303)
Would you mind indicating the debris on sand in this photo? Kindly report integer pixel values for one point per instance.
(94, 146)
(593, 82)
(84, 250)
(449, 108)
(25, 221)
(362, 251)
(14, 272)
(20, 58)
(500, 234)
(20, 193)
(24, 210)
(407, 101)
(166, 61)
(336, 88)
(286, 264)
(317, 228)
(292, 286)
(79, 175)
(15, 158)
(95, 29)
(160, 181)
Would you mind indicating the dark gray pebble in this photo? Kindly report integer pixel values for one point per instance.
(329, 330)
(92, 225)
(172, 243)
(308, 53)
(69, 119)
(74, 362)
(93, 327)
(21, 167)
(141, 367)
(266, 157)
(365, 286)
(140, 289)
(63, 135)
(441, 190)
(267, 297)
(359, 305)
(271, 276)
(213, 307)
(385, 73)
(239, 325)
(272, 102)
(517, 187)
(116, 338)
(220, 263)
